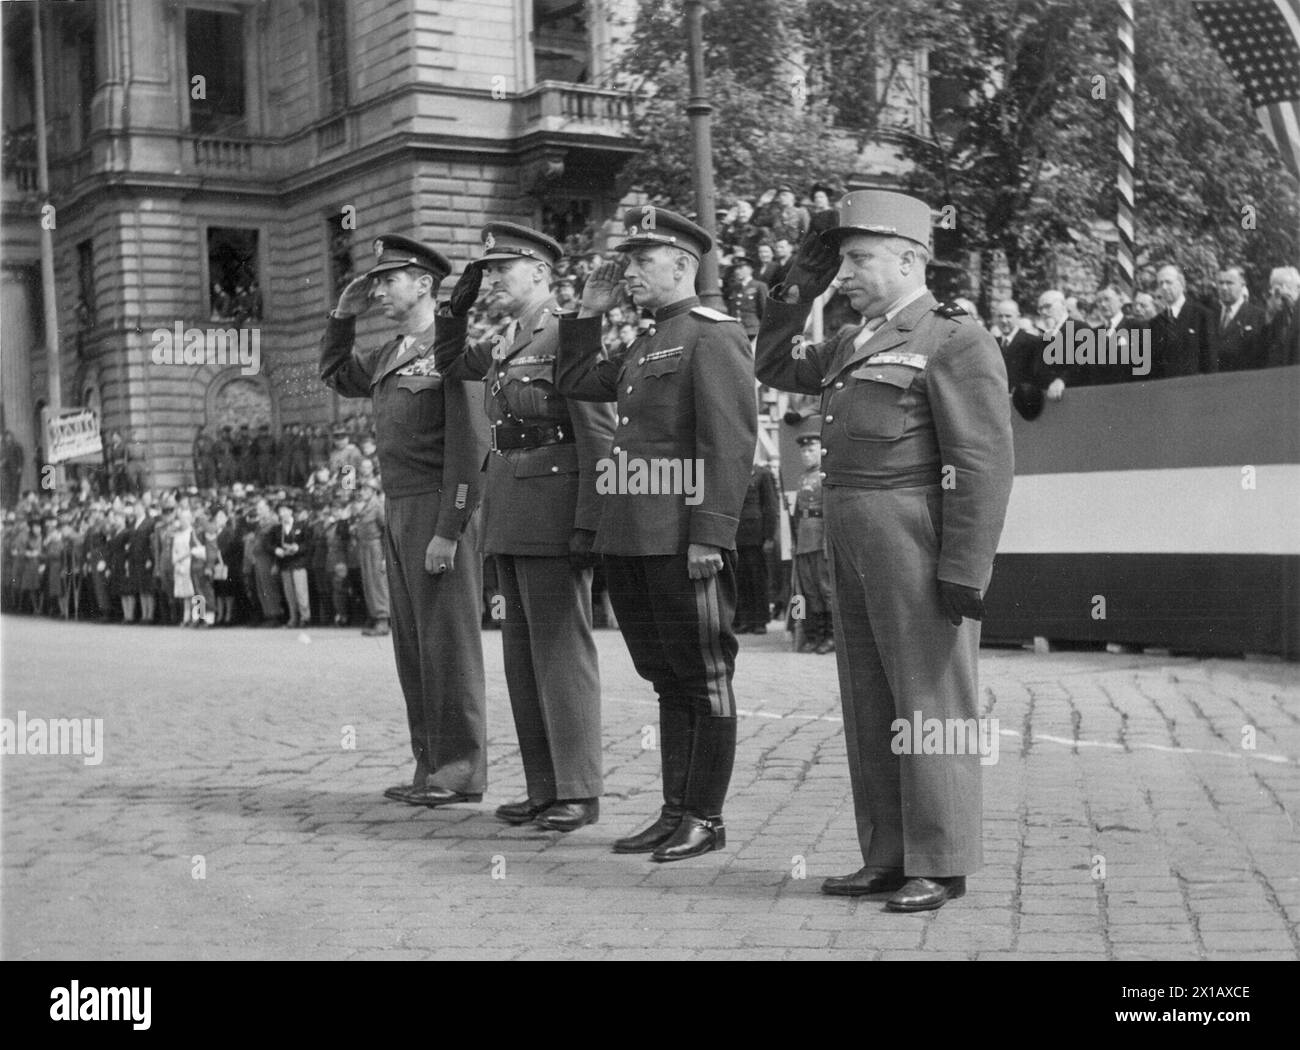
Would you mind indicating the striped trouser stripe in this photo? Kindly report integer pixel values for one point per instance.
(722, 702)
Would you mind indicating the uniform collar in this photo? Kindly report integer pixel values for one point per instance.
(677, 308)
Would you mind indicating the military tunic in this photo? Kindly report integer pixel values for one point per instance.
(540, 487)
(918, 465)
(677, 473)
(432, 444)
(811, 566)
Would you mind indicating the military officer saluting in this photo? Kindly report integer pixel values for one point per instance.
(918, 465)
(671, 495)
(432, 443)
(540, 513)
(812, 575)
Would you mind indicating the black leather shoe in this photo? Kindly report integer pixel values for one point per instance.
(570, 815)
(523, 812)
(654, 836)
(438, 796)
(864, 882)
(921, 894)
(399, 792)
(694, 835)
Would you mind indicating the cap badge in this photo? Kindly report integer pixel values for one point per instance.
(489, 242)
(379, 248)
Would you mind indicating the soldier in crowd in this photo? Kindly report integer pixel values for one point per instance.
(225, 456)
(432, 444)
(810, 573)
(203, 453)
(344, 455)
(366, 528)
(685, 394)
(264, 449)
(918, 462)
(755, 538)
(540, 513)
(747, 296)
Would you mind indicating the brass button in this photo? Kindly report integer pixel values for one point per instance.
(830, 419)
(625, 420)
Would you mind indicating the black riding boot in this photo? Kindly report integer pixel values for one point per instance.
(675, 759)
(712, 756)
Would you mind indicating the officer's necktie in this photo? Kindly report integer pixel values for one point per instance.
(868, 330)
(512, 332)
(1227, 316)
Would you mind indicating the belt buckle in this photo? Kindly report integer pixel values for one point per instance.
(492, 431)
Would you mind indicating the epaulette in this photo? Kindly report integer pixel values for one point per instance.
(950, 310)
(712, 314)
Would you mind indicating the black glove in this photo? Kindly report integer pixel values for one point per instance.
(957, 602)
(580, 556)
(811, 271)
(466, 291)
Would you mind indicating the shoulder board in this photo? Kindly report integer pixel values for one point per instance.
(950, 310)
(711, 314)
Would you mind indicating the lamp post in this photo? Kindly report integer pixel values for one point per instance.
(698, 109)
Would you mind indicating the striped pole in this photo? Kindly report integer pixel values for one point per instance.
(1124, 179)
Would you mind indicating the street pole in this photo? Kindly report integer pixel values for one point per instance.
(47, 223)
(698, 109)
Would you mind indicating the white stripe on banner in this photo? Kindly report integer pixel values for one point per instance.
(1196, 510)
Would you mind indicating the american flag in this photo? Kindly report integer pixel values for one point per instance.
(1260, 41)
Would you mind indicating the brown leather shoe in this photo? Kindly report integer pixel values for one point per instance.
(922, 894)
(865, 882)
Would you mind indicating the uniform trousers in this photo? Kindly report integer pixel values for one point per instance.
(898, 655)
(678, 630)
(436, 642)
(552, 674)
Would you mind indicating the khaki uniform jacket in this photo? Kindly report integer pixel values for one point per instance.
(687, 413)
(533, 497)
(430, 437)
(923, 402)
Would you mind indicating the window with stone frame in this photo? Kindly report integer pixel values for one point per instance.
(234, 288)
(215, 52)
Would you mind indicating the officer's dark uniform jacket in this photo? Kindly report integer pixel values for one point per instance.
(685, 392)
(895, 418)
(427, 432)
(746, 304)
(541, 472)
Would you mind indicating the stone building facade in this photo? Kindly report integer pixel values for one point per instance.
(222, 167)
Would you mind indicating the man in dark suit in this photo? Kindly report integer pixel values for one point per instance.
(918, 470)
(540, 514)
(431, 441)
(1238, 334)
(671, 494)
(1182, 329)
(1017, 345)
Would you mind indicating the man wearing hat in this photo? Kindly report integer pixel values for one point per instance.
(540, 512)
(432, 446)
(747, 295)
(811, 568)
(917, 472)
(686, 411)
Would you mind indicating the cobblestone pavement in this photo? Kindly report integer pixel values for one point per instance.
(225, 757)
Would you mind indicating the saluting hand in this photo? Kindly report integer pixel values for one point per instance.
(602, 293)
(811, 271)
(355, 299)
(465, 291)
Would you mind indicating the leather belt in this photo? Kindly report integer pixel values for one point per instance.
(507, 436)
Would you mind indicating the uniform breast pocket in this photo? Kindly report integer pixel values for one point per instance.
(659, 380)
(530, 391)
(418, 401)
(878, 401)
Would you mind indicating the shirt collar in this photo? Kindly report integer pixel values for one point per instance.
(906, 300)
(677, 308)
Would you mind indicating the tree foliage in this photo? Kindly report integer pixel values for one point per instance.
(1022, 137)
